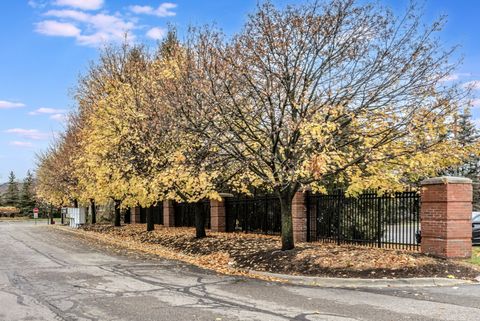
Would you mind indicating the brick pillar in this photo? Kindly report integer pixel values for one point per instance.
(168, 214)
(218, 213)
(299, 217)
(445, 217)
(135, 215)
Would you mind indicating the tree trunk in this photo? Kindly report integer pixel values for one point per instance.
(93, 210)
(287, 224)
(117, 214)
(200, 221)
(75, 203)
(50, 215)
(128, 216)
(150, 219)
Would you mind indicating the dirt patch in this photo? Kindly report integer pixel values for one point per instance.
(237, 252)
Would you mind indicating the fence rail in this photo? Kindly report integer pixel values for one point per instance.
(369, 219)
(260, 214)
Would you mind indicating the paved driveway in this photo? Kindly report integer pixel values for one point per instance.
(51, 275)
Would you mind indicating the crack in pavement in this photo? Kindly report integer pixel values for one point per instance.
(203, 296)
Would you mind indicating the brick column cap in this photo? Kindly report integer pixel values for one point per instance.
(446, 180)
(223, 195)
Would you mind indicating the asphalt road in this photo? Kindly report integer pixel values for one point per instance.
(52, 275)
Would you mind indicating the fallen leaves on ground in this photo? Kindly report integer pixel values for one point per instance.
(236, 253)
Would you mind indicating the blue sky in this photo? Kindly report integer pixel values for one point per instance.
(46, 44)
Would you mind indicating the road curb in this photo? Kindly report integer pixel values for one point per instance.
(363, 283)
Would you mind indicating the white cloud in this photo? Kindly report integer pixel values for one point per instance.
(474, 84)
(44, 110)
(70, 14)
(451, 77)
(163, 10)
(156, 33)
(97, 29)
(55, 28)
(108, 28)
(55, 114)
(10, 104)
(21, 144)
(95, 39)
(59, 117)
(36, 4)
(28, 133)
(455, 76)
(141, 9)
(81, 4)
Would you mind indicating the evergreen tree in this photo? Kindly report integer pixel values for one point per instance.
(11, 197)
(467, 134)
(27, 198)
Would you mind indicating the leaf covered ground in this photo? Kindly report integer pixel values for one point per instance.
(236, 253)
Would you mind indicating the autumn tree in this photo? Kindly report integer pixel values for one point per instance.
(133, 150)
(125, 140)
(184, 174)
(57, 180)
(333, 89)
(101, 99)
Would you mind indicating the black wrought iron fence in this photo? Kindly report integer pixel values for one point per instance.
(260, 214)
(157, 212)
(369, 219)
(185, 213)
